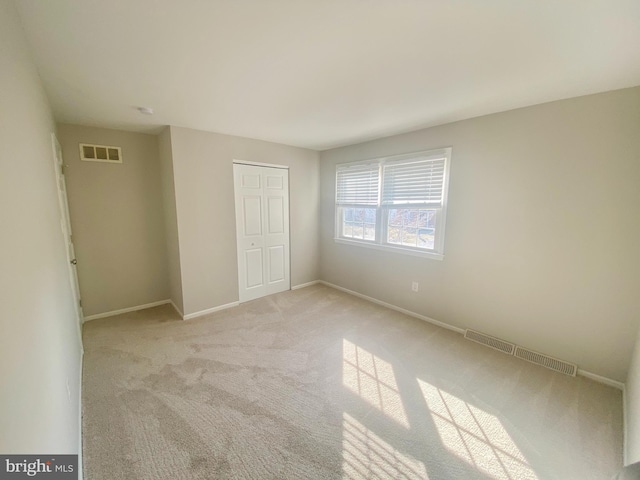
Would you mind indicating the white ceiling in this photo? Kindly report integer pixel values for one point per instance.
(323, 73)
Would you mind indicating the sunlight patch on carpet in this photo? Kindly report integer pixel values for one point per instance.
(373, 380)
(475, 436)
(366, 455)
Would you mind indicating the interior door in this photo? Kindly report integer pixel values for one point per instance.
(262, 227)
(65, 224)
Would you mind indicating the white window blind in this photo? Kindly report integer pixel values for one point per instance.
(358, 184)
(414, 182)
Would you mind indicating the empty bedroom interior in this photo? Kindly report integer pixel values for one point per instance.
(358, 367)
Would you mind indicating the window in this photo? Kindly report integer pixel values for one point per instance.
(396, 203)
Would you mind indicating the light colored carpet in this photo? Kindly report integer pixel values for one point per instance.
(318, 384)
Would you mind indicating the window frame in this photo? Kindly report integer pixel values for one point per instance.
(382, 211)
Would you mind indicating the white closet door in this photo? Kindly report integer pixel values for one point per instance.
(262, 227)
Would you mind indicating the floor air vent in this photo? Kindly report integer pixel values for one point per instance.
(546, 361)
(489, 341)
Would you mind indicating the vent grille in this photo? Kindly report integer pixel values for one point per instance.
(546, 361)
(523, 353)
(489, 341)
(100, 153)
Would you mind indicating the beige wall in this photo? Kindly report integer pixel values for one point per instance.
(117, 219)
(170, 218)
(203, 172)
(541, 247)
(40, 349)
(632, 407)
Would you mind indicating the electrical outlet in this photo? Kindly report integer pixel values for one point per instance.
(414, 286)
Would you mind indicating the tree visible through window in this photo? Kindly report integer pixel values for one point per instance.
(360, 223)
(394, 202)
(412, 227)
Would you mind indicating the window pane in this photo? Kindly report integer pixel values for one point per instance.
(405, 216)
(411, 218)
(394, 235)
(395, 217)
(348, 214)
(410, 236)
(426, 238)
(427, 218)
(423, 218)
(370, 231)
(358, 223)
(370, 215)
(412, 227)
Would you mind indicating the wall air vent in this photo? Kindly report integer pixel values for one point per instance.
(489, 341)
(100, 153)
(546, 361)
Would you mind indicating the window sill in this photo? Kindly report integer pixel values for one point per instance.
(389, 248)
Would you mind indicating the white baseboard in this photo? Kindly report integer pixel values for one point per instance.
(178, 311)
(125, 310)
(303, 285)
(396, 308)
(584, 373)
(210, 310)
(600, 379)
